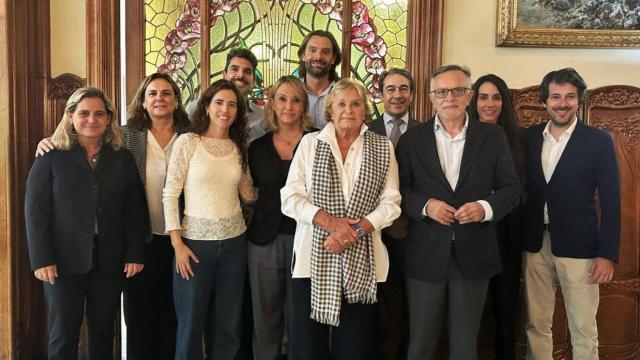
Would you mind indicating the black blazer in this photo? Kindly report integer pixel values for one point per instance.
(269, 179)
(486, 173)
(588, 162)
(65, 197)
(377, 126)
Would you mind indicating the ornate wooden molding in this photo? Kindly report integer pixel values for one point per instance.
(424, 51)
(617, 109)
(60, 88)
(103, 48)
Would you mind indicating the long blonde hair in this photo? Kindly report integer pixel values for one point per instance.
(64, 136)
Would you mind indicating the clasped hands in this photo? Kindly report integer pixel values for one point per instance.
(341, 233)
(446, 214)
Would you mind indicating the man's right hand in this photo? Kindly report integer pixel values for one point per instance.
(44, 146)
(440, 211)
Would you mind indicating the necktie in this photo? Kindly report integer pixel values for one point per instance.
(395, 132)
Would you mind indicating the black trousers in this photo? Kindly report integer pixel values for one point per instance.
(352, 340)
(66, 300)
(148, 305)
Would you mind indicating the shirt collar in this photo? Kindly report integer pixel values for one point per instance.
(567, 133)
(325, 91)
(437, 125)
(328, 133)
(386, 118)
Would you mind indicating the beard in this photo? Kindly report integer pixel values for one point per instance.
(317, 71)
(562, 122)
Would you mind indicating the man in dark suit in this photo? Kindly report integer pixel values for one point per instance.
(397, 87)
(567, 161)
(456, 178)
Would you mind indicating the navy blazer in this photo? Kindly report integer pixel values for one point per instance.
(587, 164)
(65, 197)
(486, 173)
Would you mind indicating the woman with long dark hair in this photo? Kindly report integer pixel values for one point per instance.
(210, 167)
(492, 103)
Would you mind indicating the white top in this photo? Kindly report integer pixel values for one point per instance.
(255, 119)
(552, 150)
(296, 203)
(450, 151)
(156, 172)
(388, 123)
(317, 104)
(210, 172)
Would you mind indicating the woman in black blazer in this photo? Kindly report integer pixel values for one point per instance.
(86, 218)
(270, 233)
(492, 103)
(155, 117)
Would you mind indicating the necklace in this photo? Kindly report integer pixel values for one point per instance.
(292, 142)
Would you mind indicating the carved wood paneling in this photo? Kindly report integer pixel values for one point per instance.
(24, 70)
(60, 88)
(528, 106)
(424, 49)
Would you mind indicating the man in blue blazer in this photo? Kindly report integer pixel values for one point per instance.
(456, 179)
(396, 86)
(567, 162)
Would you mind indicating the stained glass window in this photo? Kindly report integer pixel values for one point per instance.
(273, 31)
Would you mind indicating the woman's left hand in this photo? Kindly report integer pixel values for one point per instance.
(132, 269)
(334, 246)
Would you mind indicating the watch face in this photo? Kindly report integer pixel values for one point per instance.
(360, 232)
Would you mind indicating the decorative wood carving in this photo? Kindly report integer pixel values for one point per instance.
(424, 51)
(528, 106)
(616, 109)
(60, 88)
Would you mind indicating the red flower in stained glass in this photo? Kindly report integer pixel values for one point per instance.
(363, 35)
(174, 43)
(377, 50)
(360, 13)
(375, 66)
(189, 31)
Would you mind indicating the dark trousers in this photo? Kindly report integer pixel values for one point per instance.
(392, 318)
(215, 292)
(463, 297)
(148, 305)
(504, 291)
(352, 340)
(66, 300)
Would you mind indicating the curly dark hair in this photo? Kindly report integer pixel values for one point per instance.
(239, 130)
(333, 74)
(137, 115)
(563, 76)
(508, 119)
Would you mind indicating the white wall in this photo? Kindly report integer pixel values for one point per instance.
(469, 39)
(68, 37)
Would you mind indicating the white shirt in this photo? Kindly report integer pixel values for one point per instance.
(552, 150)
(317, 105)
(255, 119)
(156, 173)
(450, 151)
(388, 123)
(296, 202)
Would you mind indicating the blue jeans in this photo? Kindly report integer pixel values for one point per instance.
(215, 292)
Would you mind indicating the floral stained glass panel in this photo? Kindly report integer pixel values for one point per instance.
(172, 31)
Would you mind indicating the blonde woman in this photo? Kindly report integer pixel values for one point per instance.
(86, 219)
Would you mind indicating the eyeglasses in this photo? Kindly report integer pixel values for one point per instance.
(457, 92)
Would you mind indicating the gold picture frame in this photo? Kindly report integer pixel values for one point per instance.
(510, 33)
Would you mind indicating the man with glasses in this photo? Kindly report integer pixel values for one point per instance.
(456, 179)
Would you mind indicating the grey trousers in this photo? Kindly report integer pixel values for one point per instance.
(270, 280)
(463, 297)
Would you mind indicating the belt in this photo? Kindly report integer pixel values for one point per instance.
(546, 227)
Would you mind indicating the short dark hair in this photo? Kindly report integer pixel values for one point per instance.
(396, 71)
(333, 74)
(239, 130)
(563, 76)
(242, 53)
(453, 67)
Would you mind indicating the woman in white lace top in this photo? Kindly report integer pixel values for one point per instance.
(209, 165)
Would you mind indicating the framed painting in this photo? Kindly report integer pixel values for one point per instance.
(569, 23)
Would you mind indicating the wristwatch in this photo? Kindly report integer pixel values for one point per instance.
(359, 230)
